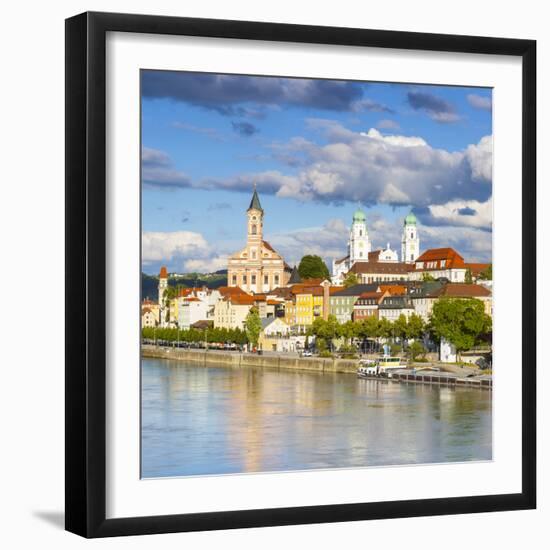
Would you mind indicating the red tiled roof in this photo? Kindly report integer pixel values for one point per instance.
(231, 290)
(452, 258)
(307, 289)
(311, 282)
(241, 300)
(372, 294)
(394, 290)
(461, 290)
(283, 292)
(163, 272)
(381, 267)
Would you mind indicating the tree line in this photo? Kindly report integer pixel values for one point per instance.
(463, 322)
(193, 335)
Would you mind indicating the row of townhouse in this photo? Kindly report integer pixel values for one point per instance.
(385, 289)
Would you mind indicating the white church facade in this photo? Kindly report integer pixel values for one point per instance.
(360, 247)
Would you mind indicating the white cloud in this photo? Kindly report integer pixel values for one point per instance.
(365, 167)
(371, 168)
(480, 157)
(399, 141)
(167, 246)
(206, 265)
(463, 213)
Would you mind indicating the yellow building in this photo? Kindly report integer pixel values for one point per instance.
(258, 267)
(309, 305)
(305, 303)
(173, 308)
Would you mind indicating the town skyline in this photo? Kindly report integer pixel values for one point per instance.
(317, 150)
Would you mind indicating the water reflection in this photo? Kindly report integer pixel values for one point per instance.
(215, 420)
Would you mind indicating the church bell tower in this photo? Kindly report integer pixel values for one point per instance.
(410, 242)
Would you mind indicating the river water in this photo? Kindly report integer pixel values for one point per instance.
(199, 420)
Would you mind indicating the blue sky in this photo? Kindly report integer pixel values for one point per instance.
(317, 150)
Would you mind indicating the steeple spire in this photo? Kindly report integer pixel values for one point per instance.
(255, 202)
(294, 277)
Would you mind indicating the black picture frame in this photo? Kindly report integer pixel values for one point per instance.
(86, 276)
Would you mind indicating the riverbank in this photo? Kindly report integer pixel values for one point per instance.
(449, 375)
(236, 359)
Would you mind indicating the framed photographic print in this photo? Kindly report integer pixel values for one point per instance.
(300, 274)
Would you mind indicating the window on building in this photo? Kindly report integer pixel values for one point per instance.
(244, 279)
(253, 279)
(276, 279)
(360, 232)
(266, 280)
(234, 279)
(412, 235)
(412, 257)
(254, 230)
(253, 254)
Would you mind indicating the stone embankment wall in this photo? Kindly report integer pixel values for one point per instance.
(236, 359)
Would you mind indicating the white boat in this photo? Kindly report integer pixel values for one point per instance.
(384, 366)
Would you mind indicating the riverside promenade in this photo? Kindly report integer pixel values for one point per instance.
(449, 375)
(237, 359)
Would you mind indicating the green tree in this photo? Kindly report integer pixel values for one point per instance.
(400, 327)
(313, 267)
(349, 330)
(416, 349)
(461, 321)
(415, 327)
(369, 327)
(253, 326)
(487, 273)
(468, 276)
(351, 279)
(426, 277)
(326, 330)
(385, 328)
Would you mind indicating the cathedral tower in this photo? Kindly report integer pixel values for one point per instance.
(410, 242)
(359, 244)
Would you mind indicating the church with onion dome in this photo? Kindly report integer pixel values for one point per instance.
(360, 249)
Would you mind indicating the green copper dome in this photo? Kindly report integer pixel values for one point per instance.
(410, 219)
(359, 216)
